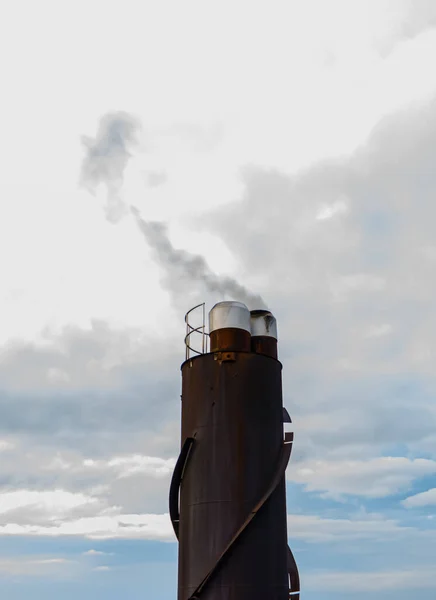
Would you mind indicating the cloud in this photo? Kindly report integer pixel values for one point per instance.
(330, 247)
(183, 269)
(427, 498)
(133, 482)
(91, 498)
(375, 478)
(343, 253)
(31, 507)
(421, 578)
(307, 528)
(100, 527)
(329, 211)
(115, 381)
(105, 162)
(371, 581)
(352, 293)
(93, 552)
(126, 466)
(370, 253)
(319, 530)
(74, 358)
(109, 400)
(38, 483)
(156, 178)
(419, 17)
(36, 566)
(379, 330)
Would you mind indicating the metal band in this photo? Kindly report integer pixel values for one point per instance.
(280, 472)
(175, 484)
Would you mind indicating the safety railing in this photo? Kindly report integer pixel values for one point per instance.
(198, 331)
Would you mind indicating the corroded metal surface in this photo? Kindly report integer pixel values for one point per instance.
(230, 339)
(264, 345)
(278, 475)
(233, 410)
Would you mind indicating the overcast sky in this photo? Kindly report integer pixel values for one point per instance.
(159, 154)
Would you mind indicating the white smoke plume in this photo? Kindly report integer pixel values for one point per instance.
(107, 156)
(181, 265)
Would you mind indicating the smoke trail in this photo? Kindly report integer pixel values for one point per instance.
(182, 266)
(105, 162)
(106, 159)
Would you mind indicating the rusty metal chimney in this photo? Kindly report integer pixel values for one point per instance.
(227, 494)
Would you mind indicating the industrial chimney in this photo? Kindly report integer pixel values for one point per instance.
(227, 494)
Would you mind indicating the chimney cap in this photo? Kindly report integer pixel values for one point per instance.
(229, 314)
(263, 323)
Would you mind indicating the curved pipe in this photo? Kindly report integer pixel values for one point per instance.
(175, 484)
(280, 471)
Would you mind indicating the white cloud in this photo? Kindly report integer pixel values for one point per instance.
(308, 528)
(372, 581)
(374, 478)
(93, 552)
(35, 566)
(315, 529)
(427, 498)
(131, 465)
(379, 330)
(331, 210)
(121, 526)
(111, 491)
(56, 376)
(95, 409)
(65, 479)
(280, 124)
(6, 445)
(357, 282)
(50, 504)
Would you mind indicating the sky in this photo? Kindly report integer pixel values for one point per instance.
(160, 154)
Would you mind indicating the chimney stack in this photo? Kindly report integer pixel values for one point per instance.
(227, 494)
